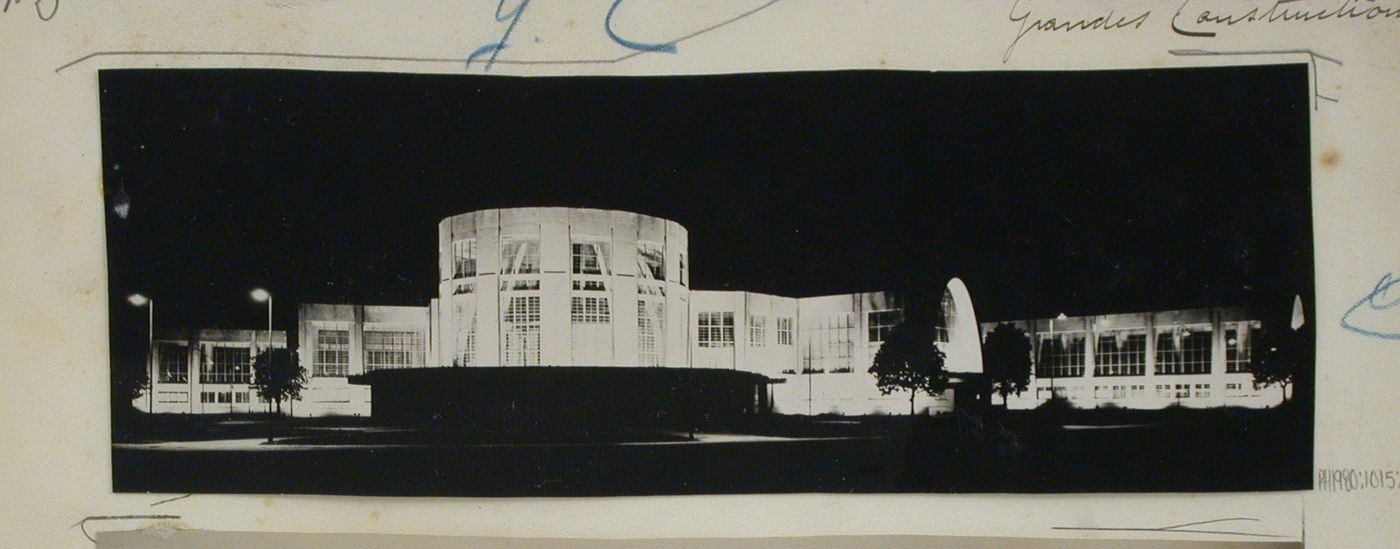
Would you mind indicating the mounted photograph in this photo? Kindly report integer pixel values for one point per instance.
(847, 282)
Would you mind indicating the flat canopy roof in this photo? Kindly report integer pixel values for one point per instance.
(487, 374)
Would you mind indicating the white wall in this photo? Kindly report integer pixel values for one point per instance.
(562, 341)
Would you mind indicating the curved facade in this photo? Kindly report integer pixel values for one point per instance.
(561, 287)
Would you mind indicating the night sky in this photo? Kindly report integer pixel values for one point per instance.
(1081, 192)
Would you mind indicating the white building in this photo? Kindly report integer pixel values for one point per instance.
(1195, 358)
(571, 287)
(206, 371)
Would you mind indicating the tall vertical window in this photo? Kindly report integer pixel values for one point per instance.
(1121, 353)
(522, 334)
(651, 261)
(464, 258)
(716, 329)
(681, 264)
(520, 255)
(880, 323)
(1184, 350)
(1061, 355)
(947, 318)
(1238, 347)
(174, 363)
(227, 365)
(828, 346)
(332, 354)
(758, 331)
(784, 330)
(589, 309)
(590, 257)
(387, 350)
(651, 320)
(467, 338)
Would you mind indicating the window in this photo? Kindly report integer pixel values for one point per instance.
(466, 338)
(1237, 390)
(589, 309)
(1111, 392)
(829, 344)
(227, 365)
(173, 397)
(332, 354)
(523, 345)
(1183, 350)
(1121, 353)
(681, 263)
(520, 255)
(716, 329)
(1239, 347)
(174, 363)
(387, 350)
(880, 323)
(464, 288)
(240, 398)
(522, 333)
(947, 318)
(833, 336)
(464, 258)
(590, 258)
(651, 261)
(523, 310)
(784, 330)
(1061, 355)
(520, 284)
(590, 286)
(1202, 390)
(650, 326)
(758, 331)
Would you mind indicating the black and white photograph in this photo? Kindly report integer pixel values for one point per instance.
(397, 284)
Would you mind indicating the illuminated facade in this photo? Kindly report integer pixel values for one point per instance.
(1194, 358)
(573, 287)
(561, 287)
(206, 371)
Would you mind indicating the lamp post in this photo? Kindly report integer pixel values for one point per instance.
(1054, 352)
(260, 295)
(150, 305)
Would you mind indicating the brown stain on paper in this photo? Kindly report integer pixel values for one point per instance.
(1330, 159)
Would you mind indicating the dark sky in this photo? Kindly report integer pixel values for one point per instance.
(1082, 192)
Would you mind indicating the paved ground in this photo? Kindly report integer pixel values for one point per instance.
(1169, 451)
(290, 443)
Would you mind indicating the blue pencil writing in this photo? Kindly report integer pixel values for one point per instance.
(1375, 301)
(495, 48)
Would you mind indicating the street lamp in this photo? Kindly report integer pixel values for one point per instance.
(1054, 352)
(260, 295)
(150, 305)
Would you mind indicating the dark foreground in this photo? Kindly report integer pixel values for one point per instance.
(1067, 451)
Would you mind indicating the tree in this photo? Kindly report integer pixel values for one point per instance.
(1006, 359)
(278, 377)
(130, 381)
(1277, 358)
(908, 360)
